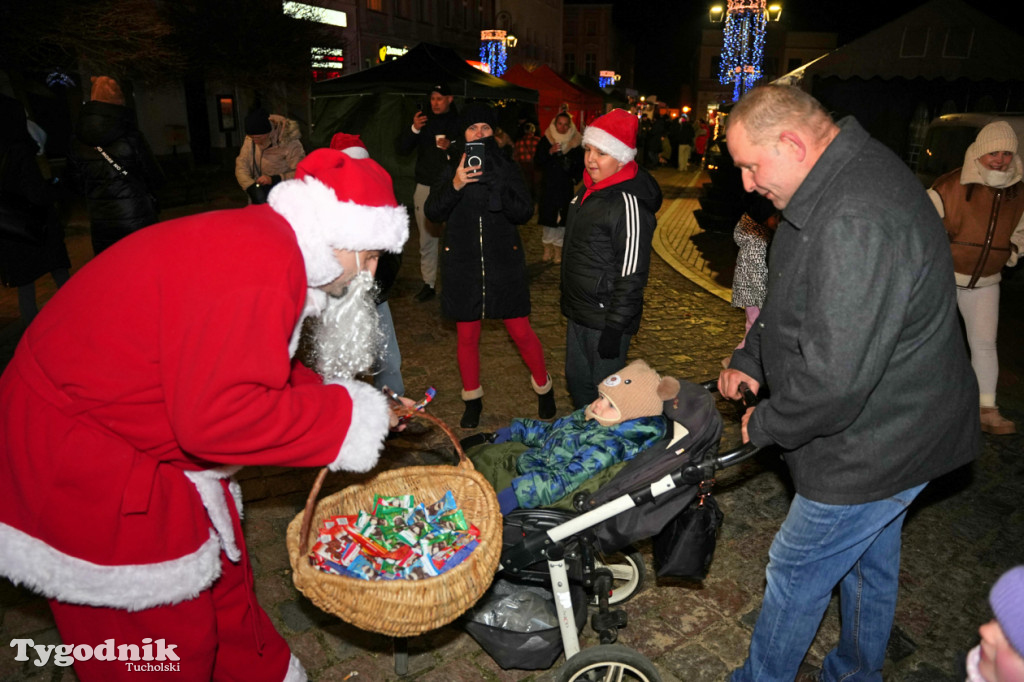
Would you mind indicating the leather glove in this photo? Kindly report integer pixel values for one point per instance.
(608, 344)
(502, 435)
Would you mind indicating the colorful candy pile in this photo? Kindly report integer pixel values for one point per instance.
(399, 540)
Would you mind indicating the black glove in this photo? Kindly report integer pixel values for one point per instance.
(608, 344)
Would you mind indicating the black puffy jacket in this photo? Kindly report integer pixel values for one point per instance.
(119, 203)
(606, 254)
(483, 268)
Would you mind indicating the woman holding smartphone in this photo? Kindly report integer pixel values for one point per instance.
(483, 198)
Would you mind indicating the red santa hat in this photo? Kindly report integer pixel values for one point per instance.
(339, 202)
(350, 144)
(614, 134)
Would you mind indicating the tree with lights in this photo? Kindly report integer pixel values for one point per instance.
(743, 46)
(493, 52)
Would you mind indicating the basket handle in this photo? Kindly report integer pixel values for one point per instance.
(314, 493)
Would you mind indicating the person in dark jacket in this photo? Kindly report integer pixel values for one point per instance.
(871, 392)
(113, 166)
(606, 255)
(560, 158)
(27, 197)
(431, 133)
(387, 369)
(484, 268)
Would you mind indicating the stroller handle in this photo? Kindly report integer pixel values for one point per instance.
(749, 399)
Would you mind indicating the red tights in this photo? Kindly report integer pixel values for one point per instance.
(522, 335)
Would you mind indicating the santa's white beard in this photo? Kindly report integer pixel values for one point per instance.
(348, 338)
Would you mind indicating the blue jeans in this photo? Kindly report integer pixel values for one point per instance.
(390, 360)
(819, 546)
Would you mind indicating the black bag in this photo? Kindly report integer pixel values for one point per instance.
(258, 193)
(21, 221)
(685, 547)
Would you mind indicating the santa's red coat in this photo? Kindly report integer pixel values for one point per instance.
(161, 367)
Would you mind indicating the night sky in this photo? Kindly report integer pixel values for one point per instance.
(667, 32)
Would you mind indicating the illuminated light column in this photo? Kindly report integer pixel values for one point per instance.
(743, 45)
(493, 52)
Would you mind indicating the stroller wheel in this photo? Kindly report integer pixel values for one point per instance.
(607, 663)
(628, 574)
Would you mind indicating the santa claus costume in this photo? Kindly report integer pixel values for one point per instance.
(127, 414)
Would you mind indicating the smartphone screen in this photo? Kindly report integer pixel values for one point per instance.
(475, 154)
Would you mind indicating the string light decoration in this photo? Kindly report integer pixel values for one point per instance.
(493, 52)
(743, 45)
(607, 78)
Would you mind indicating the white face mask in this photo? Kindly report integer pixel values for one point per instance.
(994, 178)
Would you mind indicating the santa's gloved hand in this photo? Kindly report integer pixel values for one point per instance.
(608, 344)
(507, 500)
(502, 435)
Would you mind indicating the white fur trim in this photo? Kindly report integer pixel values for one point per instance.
(28, 561)
(316, 303)
(542, 390)
(477, 392)
(295, 673)
(371, 420)
(608, 143)
(322, 223)
(207, 482)
(357, 152)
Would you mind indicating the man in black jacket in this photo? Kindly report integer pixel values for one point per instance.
(872, 394)
(606, 255)
(431, 135)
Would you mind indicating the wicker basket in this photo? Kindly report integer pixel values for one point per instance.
(402, 608)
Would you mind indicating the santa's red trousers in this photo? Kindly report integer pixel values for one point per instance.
(223, 634)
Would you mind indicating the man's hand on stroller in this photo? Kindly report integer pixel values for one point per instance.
(729, 384)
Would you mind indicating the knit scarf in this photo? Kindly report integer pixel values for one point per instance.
(628, 172)
(571, 138)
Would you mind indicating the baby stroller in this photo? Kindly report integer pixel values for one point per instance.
(586, 558)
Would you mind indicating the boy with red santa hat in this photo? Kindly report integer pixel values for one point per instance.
(606, 254)
(126, 416)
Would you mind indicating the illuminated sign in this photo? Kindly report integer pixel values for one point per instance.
(327, 57)
(493, 35)
(390, 52)
(301, 10)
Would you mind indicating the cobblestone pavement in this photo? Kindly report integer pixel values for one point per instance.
(962, 533)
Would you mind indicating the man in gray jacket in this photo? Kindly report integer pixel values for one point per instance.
(871, 394)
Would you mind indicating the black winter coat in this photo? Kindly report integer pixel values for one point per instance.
(561, 174)
(430, 159)
(606, 255)
(483, 267)
(24, 192)
(118, 204)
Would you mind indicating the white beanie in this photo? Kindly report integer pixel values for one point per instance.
(997, 136)
(614, 134)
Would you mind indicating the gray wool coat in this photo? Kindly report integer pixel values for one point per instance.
(871, 389)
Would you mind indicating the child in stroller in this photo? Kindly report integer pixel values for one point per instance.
(534, 464)
(586, 558)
